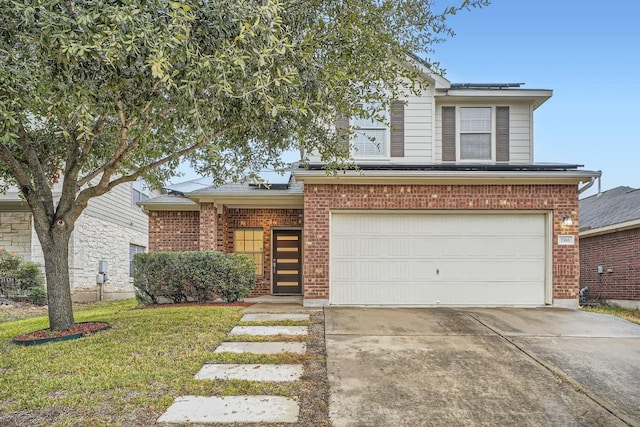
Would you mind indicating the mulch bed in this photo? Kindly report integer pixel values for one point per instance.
(46, 335)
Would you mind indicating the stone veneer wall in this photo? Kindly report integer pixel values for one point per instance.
(15, 233)
(618, 252)
(320, 199)
(93, 240)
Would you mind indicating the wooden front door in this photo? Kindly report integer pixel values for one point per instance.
(287, 262)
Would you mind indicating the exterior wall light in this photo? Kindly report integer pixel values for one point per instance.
(567, 221)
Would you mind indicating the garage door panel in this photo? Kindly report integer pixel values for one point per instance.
(406, 259)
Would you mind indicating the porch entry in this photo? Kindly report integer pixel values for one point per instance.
(287, 262)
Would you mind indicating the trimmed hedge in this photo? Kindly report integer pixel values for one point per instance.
(192, 276)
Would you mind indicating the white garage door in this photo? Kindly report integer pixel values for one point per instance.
(426, 258)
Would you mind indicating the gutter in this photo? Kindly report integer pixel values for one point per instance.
(502, 177)
(590, 183)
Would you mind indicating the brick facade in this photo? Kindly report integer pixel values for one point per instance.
(212, 229)
(266, 219)
(208, 227)
(320, 199)
(174, 231)
(617, 252)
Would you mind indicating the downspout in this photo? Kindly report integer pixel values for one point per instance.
(590, 183)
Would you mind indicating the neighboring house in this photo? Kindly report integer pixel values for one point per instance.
(610, 246)
(112, 228)
(448, 209)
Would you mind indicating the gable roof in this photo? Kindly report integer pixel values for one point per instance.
(610, 210)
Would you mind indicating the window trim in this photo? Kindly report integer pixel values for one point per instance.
(132, 254)
(458, 109)
(259, 267)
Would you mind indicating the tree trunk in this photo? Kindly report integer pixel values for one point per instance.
(55, 247)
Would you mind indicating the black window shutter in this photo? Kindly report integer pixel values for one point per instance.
(397, 129)
(448, 134)
(502, 134)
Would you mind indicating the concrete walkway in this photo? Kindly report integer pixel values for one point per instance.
(246, 409)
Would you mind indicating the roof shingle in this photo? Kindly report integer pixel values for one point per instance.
(620, 204)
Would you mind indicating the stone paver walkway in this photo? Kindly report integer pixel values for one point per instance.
(247, 409)
(250, 372)
(232, 409)
(262, 347)
(269, 330)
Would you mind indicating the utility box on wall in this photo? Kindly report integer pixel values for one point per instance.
(103, 267)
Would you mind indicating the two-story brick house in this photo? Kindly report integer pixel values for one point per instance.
(448, 208)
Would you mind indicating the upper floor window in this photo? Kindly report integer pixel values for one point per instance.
(371, 138)
(139, 191)
(475, 133)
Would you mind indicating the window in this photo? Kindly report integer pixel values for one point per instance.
(249, 241)
(371, 138)
(139, 191)
(475, 133)
(134, 249)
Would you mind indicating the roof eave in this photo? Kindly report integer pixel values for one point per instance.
(613, 228)
(170, 206)
(243, 200)
(536, 96)
(447, 177)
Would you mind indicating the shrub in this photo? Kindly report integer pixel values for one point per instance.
(9, 262)
(17, 276)
(240, 278)
(200, 272)
(158, 275)
(194, 276)
(37, 295)
(29, 275)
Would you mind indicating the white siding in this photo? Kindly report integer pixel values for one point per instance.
(418, 129)
(428, 259)
(116, 207)
(520, 134)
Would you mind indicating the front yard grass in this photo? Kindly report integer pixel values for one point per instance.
(124, 376)
(625, 313)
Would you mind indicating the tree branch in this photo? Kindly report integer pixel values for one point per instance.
(41, 183)
(98, 190)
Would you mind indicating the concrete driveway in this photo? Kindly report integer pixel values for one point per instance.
(494, 366)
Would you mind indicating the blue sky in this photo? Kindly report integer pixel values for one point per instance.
(587, 52)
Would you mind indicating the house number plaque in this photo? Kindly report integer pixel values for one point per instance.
(567, 240)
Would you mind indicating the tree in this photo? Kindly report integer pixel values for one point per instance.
(97, 93)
